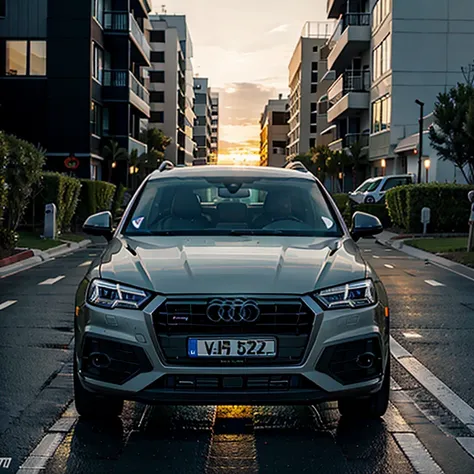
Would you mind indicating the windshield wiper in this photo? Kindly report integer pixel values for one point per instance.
(255, 232)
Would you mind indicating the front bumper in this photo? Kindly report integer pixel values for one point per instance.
(148, 378)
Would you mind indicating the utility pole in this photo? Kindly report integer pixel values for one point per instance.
(420, 145)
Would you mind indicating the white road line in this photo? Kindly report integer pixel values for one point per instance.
(388, 250)
(434, 283)
(388, 266)
(417, 454)
(375, 256)
(85, 264)
(52, 281)
(412, 335)
(455, 404)
(451, 270)
(8, 303)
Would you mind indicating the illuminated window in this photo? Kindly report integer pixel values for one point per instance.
(17, 64)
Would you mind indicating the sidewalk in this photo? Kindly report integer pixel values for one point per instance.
(41, 256)
(390, 239)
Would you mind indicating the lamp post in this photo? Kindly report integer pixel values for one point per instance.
(384, 166)
(420, 139)
(427, 167)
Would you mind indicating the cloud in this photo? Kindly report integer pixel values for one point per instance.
(279, 29)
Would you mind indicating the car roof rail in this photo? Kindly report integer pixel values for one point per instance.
(297, 166)
(165, 166)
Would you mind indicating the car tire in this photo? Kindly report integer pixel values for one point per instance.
(374, 406)
(369, 200)
(93, 406)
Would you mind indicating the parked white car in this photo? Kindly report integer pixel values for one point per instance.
(373, 190)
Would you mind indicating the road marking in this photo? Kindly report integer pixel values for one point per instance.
(388, 266)
(417, 454)
(412, 335)
(455, 404)
(85, 264)
(434, 283)
(52, 281)
(451, 270)
(8, 303)
(467, 444)
(388, 250)
(375, 256)
(367, 250)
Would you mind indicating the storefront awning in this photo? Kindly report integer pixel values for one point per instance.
(407, 144)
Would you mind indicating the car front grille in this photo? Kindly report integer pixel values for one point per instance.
(289, 321)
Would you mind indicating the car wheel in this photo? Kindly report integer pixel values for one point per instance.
(91, 405)
(370, 200)
(374, 406)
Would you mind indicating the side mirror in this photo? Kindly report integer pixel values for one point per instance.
(365, 225)
(99, 224)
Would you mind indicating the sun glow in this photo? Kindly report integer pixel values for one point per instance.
(239, 159)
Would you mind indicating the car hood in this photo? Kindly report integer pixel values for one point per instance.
(232, 265)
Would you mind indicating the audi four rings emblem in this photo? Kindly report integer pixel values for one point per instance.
(236, 311)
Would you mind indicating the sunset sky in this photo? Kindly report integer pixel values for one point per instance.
(244, 48)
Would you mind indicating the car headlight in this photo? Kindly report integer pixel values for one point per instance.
(351, 295)
(106, 294)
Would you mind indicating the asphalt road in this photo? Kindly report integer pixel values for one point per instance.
(434, 323)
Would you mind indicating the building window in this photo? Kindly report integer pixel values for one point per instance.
(157, 36)
(313, 129)
(157, 97)
(96, 119)
(314, 66)
(157, 117)
(312, 142)
(381, 114)
(3, 8)
(314, 77)
(98, 10)
(200, 99)
(382, 58)
(381, 10)
(17, 64)
(38, 58)
(157, 76)
(279, 118)
(315, 49)
(157, 57)
(314, 88)
(97, 62)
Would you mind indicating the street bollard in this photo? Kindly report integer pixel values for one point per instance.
(425, 218)
(470, 240)
(50, 231)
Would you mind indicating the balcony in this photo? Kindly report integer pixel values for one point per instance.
(334, 7)
(350, 92)
(125, 23)
(122, 85)
(134, 144)
(349, 140)
(351, 37)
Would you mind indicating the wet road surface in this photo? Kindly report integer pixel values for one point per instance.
(432, 317)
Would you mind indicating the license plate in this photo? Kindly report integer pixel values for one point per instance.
(231, 348)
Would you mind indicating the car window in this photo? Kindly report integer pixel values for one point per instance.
(394, 182)
(197, 206)
(374, 185)
(364, 186)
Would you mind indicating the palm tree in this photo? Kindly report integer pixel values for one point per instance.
(356, 158)
(113, 153)
(321, 153)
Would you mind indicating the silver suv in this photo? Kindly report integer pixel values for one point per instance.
(226, 285)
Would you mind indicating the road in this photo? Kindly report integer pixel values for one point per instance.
(427, 424)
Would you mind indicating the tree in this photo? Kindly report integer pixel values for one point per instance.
(113, 153)
(320, 155)
(355, 158)
(452, 134)
(307, 160)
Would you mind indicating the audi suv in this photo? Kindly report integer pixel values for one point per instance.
(231, 285)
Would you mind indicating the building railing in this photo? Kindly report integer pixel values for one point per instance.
(352, 138)
(349, 19)
(125, 78)
(318, 29)
(356, 81)
(125, 21)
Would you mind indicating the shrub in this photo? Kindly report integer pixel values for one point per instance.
(3, 169)
(449, 206)
(341, 201)
(117, 203)
(23, 171)
(378, 210)
(8, 239)
(95, 196)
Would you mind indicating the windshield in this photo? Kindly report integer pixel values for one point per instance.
(364, 186)
(251, 206)
(373, 185)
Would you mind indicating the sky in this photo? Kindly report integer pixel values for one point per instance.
(244, 48)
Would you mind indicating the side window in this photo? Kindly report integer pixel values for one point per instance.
(393, 183)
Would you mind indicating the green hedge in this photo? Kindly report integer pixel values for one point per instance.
(3, 168)
(96, 196)
(63, 191)
(378, 210)
(449, 206)
(117, 203)
(341, 201)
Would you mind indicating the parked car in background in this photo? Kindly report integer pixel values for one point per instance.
(373, 190)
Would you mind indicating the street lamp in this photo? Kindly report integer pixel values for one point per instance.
(420, 139)
(427, 167)
(384, 166)
(114, 164)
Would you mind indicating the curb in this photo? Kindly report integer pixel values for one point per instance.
(42, 256)
(399, 244)
(19, 257)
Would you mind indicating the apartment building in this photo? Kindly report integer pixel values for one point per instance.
(385, 55)
(274, 130)
(203, 111)
(214, 128)
(303, 81)
(72, 80)
(171, 85)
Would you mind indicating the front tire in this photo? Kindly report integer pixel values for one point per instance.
(374, 406)
(92, 406)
